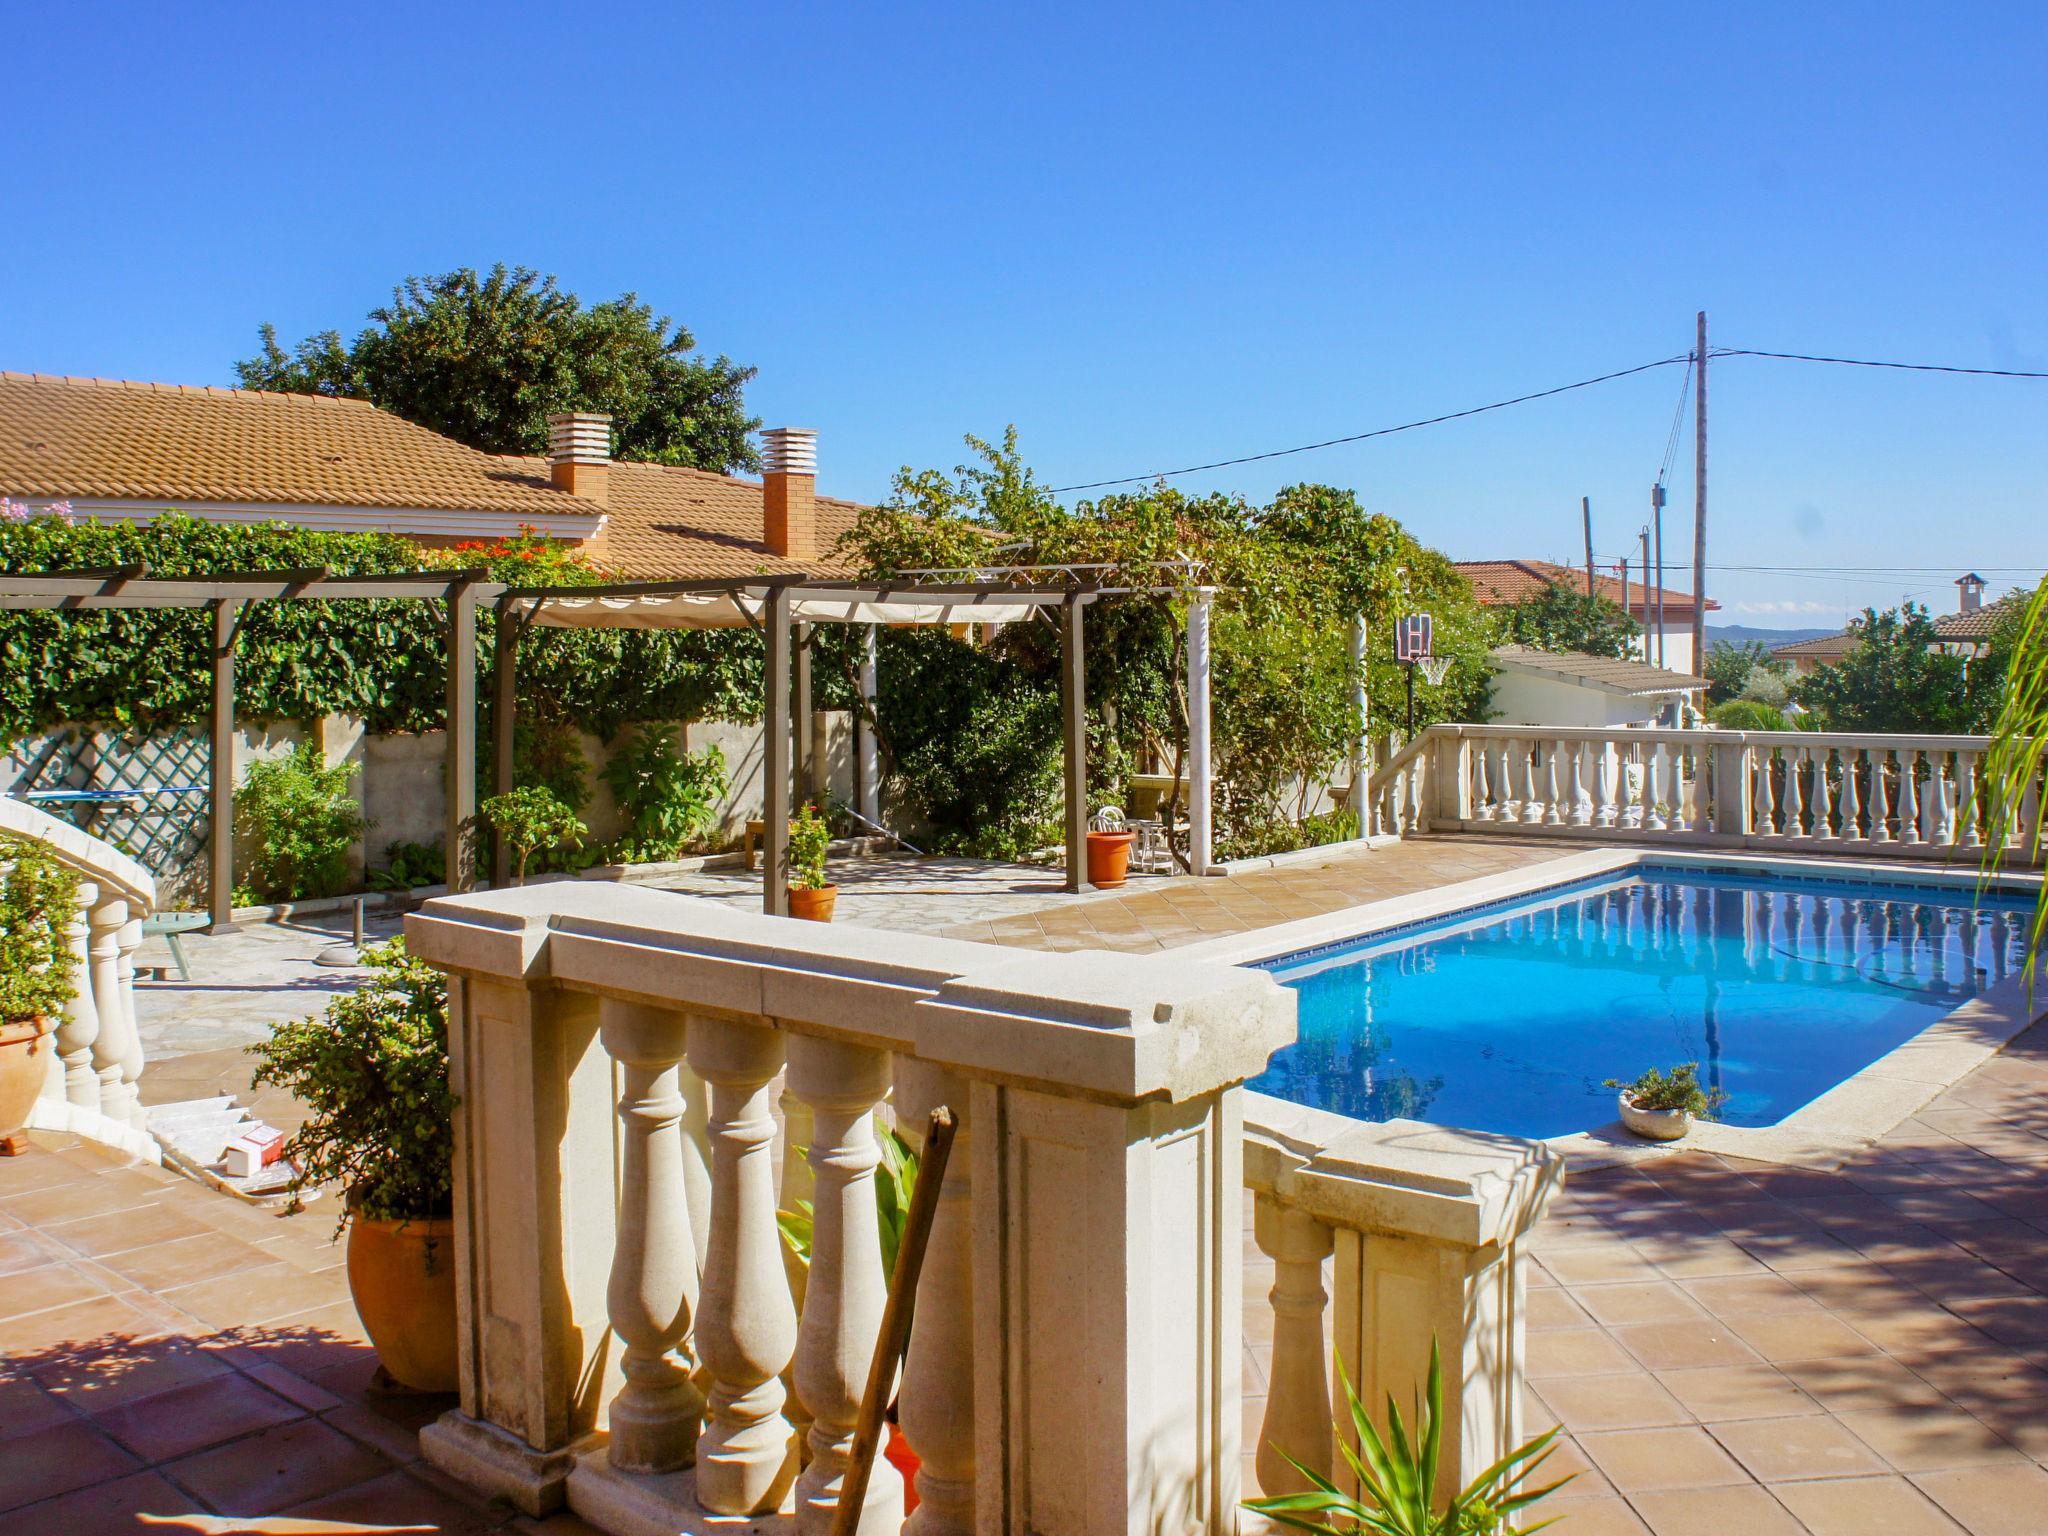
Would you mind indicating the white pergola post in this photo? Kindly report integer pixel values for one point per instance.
(1361, 712)
(868, 748)
(1201, 831)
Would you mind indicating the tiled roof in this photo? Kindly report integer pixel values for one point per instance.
(1977, 624)
(1825, 647)
(1499, 582)
(183, 446)
(101, 438)
(1609, 673)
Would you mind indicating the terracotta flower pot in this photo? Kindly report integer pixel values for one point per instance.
(1653, 1124)
(813, 905)
(25, 1048)
(900, 1456)
(1109, 857)
(402, 1275)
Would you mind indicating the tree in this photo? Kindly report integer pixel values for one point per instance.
(1898, 679)
(485, 359)
(1729, 668)
(1562, 618)
(2018, 758)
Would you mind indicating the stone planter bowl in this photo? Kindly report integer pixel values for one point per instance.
(1653, 1124)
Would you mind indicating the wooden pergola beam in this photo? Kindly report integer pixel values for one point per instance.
(220, 772)
(1074, 718)
(461, 863)
(504, 718)
(775, 762)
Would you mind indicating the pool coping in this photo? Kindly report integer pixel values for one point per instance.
(1824, 1133)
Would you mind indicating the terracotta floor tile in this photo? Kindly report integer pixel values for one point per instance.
(25, 1248)
(1680, 1346)
(1581, 1266)
(1716, 1512)
(100, 1316)
(1863, 1382)
(1800, 1336)
(1601, 1515)
(1650, 1301)
(76, 1198)
(1633, 1401)
(53, 1285)
(1574, 1352)
(1749, 1295)
(206, 1255)
(257, 1296)
(1992, 1501)
(112, 1232)
(104, 1507)
(1864, 1506)
(1643, 1460)
(1930, 1439)
(26, 1406)
(272, 1471)
(1552, 1307)
(1724, 1392)
(46, 1462)
(2008, 1319)
(1786, 1450)
(98, 1376)
(190, 1418)
(401, 1499)
(1716, 1256)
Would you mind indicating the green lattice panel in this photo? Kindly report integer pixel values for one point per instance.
(167, 831)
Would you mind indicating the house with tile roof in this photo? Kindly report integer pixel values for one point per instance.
(1498, 583)
(122, 450)
(1966, 632)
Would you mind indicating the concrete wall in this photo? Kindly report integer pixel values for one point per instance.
(402, 785)
(1520, 699)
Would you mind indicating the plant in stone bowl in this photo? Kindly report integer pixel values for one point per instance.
(1397, 1479)
(372, 1072)
(38, 974)
(1661, 1106)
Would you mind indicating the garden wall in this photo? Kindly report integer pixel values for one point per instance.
(402, 787)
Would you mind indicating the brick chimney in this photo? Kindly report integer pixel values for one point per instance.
(580, 454)
(1971, 593)
(789, 485)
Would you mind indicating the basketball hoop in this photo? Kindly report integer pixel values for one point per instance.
(1435, 668)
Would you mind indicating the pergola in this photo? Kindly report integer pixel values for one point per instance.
(782, 608)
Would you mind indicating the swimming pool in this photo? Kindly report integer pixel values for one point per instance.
(1509, 1017)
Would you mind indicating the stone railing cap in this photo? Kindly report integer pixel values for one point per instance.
(1122, 1026)
(116, 873)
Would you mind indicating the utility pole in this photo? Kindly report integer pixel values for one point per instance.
(1624, 584)
(1646, 592)
(1657, 517)
(1586, 506)
(1699, 498)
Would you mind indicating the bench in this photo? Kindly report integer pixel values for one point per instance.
(168, 926)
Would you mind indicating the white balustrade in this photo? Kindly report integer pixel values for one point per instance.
(1924, 797)
(1076, 1354)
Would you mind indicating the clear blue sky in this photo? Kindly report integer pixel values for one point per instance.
(1149, 238)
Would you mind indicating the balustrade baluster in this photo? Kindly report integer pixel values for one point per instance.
(1606, 786)
(1553, 788)
(1582, 798)
(1883, 800)
(1819, 797)
(653, 1289)
(746, 1323)
(132, 1060)
(844, 1296)
(1850, 803)
(1766, 793)
(1297, 1417)
(937, 1399)
(1969, 794)
(1483, 780)
(1909, 796)
(1654, 763)
(1794, 803)
(1939, 815)
(81, 1026)
(117, 1023)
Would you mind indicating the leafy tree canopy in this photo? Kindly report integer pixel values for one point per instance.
(1562, 618)
(1728, 668)
(1895, 679)
(484, 359)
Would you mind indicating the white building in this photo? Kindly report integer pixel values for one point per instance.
(1666, 616)
(1573, 689)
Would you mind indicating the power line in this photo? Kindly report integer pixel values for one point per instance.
(1359, 437)
(1860, 362)
(1677, 421)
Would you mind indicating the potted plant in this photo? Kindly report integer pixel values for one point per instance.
(372, 1072)
(37, 975)
(1661, 1106)
(809, 896)
(530, 818)
(1109, 847)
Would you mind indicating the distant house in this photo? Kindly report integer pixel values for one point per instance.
(119, 450)
(1532, 687)
(1498, 583)
(1966, 632)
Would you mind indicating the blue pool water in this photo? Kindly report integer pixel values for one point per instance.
(1509, 1018)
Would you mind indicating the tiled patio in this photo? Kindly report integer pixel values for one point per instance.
(167, 1351)
(1731, 1347)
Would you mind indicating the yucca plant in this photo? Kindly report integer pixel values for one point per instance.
(2018, 759)
(895, 1183)
(1397, 1477)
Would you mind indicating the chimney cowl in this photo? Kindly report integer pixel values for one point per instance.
(579, 437)
(789, 451)
(1971, 597)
